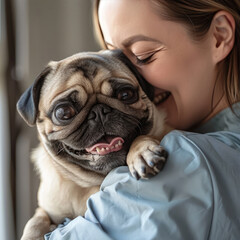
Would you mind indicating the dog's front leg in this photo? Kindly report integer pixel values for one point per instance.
(37, 226)
(146, 157)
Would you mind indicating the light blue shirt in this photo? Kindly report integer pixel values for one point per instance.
(196, 196)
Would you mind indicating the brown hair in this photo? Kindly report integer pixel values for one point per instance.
(197, 16)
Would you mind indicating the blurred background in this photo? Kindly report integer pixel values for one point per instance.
(32, 32)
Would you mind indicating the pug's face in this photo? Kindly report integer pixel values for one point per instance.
(88, 109)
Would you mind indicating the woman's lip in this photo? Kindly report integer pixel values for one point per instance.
(161, 97)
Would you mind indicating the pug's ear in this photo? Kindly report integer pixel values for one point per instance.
(146, 86)
(27, 105)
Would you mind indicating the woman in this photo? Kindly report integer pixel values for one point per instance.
(189, 51)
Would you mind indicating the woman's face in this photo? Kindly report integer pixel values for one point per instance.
(181, 69)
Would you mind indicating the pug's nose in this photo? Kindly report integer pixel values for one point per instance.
(99, 112)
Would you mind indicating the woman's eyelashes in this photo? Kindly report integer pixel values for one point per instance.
(144, 60)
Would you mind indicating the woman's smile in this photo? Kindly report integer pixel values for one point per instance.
(160, 97)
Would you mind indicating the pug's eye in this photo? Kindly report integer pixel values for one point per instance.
(64, 113)
(127, 95)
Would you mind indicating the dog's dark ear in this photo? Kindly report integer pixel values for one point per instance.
(27, 105)
(146, 87)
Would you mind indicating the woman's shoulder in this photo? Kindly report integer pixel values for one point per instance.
(211, 152)
(221, 141)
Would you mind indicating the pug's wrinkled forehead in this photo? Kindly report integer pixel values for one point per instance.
(87, 73)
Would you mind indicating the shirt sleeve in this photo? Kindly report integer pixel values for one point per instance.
(179, 203)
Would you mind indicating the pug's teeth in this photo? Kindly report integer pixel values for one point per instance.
(119, 143)
(103, 149)
(107, 148)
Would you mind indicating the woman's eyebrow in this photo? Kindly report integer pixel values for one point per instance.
(131, 40)
(136, 38)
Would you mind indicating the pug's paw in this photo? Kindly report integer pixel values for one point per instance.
(146, 157)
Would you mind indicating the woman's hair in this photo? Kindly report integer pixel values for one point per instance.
(197, 16)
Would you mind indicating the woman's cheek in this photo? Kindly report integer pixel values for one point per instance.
(159, 75)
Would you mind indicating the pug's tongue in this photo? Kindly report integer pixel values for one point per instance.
(111, 145)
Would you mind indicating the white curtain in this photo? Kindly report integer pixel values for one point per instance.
(6, 201)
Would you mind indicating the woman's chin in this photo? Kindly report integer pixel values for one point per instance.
(172, 117)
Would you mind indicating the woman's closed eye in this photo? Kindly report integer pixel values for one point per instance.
(146, 58)
(141, 60)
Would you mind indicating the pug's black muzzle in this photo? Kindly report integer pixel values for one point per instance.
(102, 125)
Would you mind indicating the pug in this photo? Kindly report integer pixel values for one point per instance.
(93, 112)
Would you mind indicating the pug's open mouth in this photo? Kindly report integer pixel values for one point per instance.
(105, 145)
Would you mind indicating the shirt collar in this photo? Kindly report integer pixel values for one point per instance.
(226, 120)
